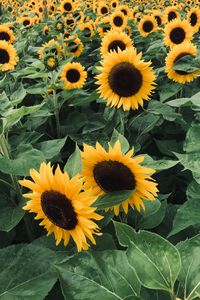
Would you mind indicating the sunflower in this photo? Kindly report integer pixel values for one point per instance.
(52, 46)
(177, 52)
(114, 40)
(6, 34)
(75, 47)
(103, 9)
(194, 18)
(51, 62)
(63, 208)
(159, 17)
(73, 76)
(46, 29)
(104, 26)
(177, 32)
(125, 80)
(118, 20)
(67, 6)
(26, 21)
(59, 26)
(147, 25)
(114, 3)
(171, 13)
(8, 56)
(124, 9)
(87, 29)
(112, 171)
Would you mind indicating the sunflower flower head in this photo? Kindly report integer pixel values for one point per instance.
(112, 171)
(64, 210)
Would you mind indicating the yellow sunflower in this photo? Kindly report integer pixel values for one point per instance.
(177, 32)
(46, 29)
(118, 20)
(73, 76)
(87, 29)
(104, 26)
(8, 56)
(171, 13)
(193, 17)
(158, 15)
(147, 25)
(114, 40)
(114, 3)
(177, 52)
(112, 171)
(124, 9)
(63, 208)
(67, 6)
(103, 8)
(125, 80)
(52, 46)
(6, 34)
(75, 47)
(26, 21)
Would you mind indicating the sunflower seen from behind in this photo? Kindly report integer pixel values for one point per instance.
(114, 40)
(8, 56)
(177, 32)
(63, 208)
(73, 75)
(112, 171)
(176, 53)
(125, 80)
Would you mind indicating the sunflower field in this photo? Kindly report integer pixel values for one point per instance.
(99, 149)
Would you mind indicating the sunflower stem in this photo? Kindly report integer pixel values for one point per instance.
(56, 114)
(5, 152)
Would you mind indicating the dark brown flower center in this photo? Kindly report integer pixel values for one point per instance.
(106, 27)
(4, 36)
(77, 16)
(177, 35)
(104, 10)
(172, 15)
(73, 47)
(125, 80)
(26, 23)
(4, 56)
(70, 22)
(73, 75)
(124, 12)
(59, 210)
(87, 32)
(158, 20)
(118, 21)
(193, 19)
(113, 176)
(147, 26)
(115, 45)
(114, 4)
(67, 6)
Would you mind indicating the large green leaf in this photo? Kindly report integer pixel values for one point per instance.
(74, 163)
(189, 275)
(185, 101)
(189, 213)
(112, 199)
(156, 261)
(98, 275)
(123, 141)
(26, 272)
(158, 165)
(51, 148)
(191, 161)
(192, 141)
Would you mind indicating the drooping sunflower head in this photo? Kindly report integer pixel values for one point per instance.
(62, 207)
(52, 47)
(194, 18)
(118, 20)
(8, 56)
(125, 80)
(74, 46)
(73, 75)
(177, 32)
(147, 25)
(112, 171)
(114, 40)
(6, 34)
(176, 53)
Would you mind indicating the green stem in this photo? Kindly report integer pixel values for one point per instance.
(56, 114)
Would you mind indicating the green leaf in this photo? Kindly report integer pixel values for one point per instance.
(26, 272)
(185, 101)
(123, 141)
(112, 199)
(169, 90)
(22, 164)
(192, 141)
(51, 148)
(98, 275)
(156, 261)
(74, 163)
(187, 63)
(158, 165)
(10, 214)
(5, 104)
(189, 275)
(18, 95)
(190, 162)
(159, 108)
